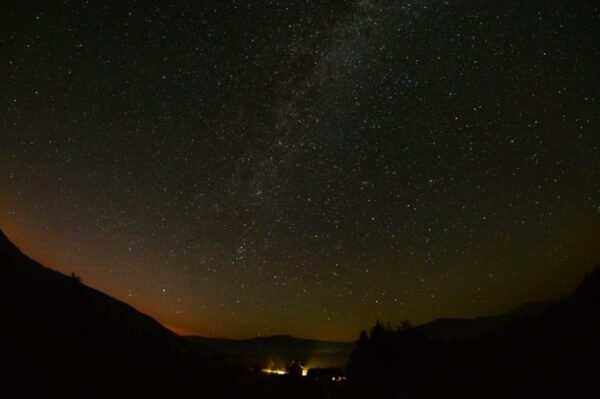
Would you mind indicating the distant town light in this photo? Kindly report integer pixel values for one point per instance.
(274, 371)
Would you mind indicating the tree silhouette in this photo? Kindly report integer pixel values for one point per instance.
(388, 357)
(76, 278)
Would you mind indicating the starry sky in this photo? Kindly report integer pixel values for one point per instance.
(246, 168)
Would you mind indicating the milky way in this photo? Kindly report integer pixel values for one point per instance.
(255, 168)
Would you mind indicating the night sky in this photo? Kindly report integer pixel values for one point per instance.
(244, 168)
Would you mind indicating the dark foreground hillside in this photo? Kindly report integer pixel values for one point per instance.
(61, 337)
(552, 354)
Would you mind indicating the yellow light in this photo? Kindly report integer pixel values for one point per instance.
(274, 371)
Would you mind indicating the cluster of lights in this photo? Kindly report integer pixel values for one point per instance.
(283, 372)
(304, 373)
(275, 371)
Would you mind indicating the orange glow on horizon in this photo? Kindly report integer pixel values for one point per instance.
(178, 330)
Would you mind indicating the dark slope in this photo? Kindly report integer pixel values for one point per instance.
(39, 298)
(547, 352)
(7, 248)
(61, 336)
(448, 329)
(278, 351)
(553, 354)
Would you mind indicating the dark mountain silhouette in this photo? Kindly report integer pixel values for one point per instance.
(54, 296)
(36, 298)
(7, 248)
(278, 351)
(60, 337)
(546, 350)
(63, 335)
(449, 329)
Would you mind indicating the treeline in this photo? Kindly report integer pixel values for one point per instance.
(553, 354)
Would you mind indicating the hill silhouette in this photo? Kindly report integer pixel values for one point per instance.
(278, 351)
(51, 296)
(541, 350)
(451, 329)
(63, 336)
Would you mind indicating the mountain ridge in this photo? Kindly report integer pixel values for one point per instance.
(13, 259)
(449, 329)
(445, 329)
